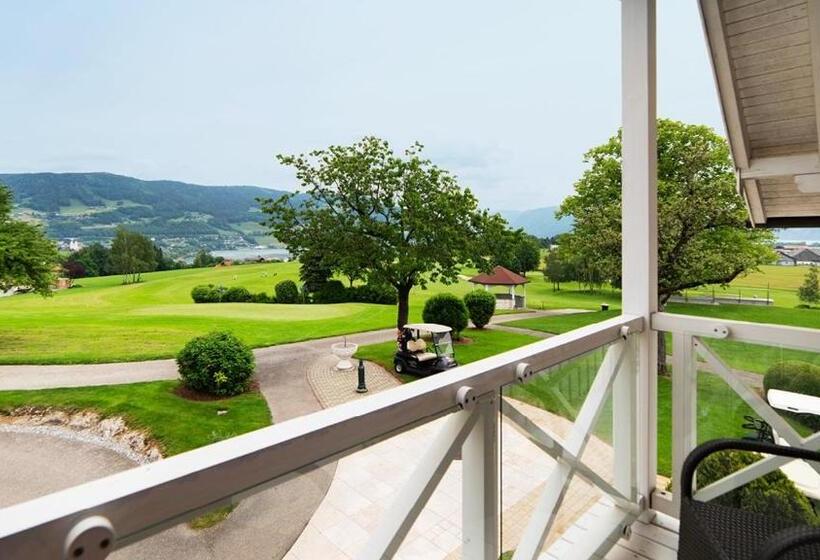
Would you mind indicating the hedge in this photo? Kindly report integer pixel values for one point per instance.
(333, 291)
(797, 377)
(480, 306)
(220, 294)
(773, 494)
(446, 309)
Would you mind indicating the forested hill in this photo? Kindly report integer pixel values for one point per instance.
(88, 206)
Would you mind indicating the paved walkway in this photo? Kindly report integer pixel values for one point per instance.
(367, 482)
(13, 377)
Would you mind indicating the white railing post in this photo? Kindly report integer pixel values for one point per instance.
(684, 407)
(639, 213)
(480, 498)
(623, 422)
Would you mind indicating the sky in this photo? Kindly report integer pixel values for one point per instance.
(506, 95)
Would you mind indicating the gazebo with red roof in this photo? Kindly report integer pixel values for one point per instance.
(501, 276)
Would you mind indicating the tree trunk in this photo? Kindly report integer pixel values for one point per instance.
(404, 304)
(662, 342)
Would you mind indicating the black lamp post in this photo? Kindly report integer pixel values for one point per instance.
(362, 388)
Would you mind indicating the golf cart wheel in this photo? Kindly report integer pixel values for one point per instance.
(399, 366)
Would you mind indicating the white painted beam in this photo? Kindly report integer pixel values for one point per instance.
(479, 484)
(640, 219)
(780, 166)
(814, 34)
(684, 407)
(754, 204)
(722, 68)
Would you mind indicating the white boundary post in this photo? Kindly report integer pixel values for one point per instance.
(480, 498)
(684, 407)
(640, 221)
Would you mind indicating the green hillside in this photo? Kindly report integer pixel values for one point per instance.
(183, 217)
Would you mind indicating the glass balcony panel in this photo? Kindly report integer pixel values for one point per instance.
(549, 404)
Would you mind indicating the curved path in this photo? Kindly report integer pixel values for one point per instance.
(260, 527)
(13, 377)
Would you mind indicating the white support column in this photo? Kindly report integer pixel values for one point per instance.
(480, 507)
(684, 407)
(623, 422)
(640, 221)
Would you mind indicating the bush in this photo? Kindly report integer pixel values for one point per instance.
(217, 363)
(797, 377)
(383, 294)
(331, 291)
(774, 494)
(287, 292)
(262, 297)
(446, 309)
(207, 293)
(237, 294)
(480, 306)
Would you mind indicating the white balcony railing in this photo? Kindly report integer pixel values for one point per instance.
(91, 520)
(690, 354)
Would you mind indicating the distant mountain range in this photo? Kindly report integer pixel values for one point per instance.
(540, 222)
(183, 217)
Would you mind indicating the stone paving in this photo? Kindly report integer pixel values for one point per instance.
(366, 483)
(332, 386)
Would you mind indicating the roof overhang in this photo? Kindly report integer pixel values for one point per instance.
(766, 60)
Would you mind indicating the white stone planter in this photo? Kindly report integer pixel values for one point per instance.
(344, 351)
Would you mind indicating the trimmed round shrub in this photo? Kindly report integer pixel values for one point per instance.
(446, 309)
(774, 494)
(237, 294)
(287, 292)
(206, 294)
(332, 291)
(217, 363)
(797, 377)
(480, 306)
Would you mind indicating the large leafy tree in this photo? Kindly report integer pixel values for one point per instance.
(702, 233)
(132, 254)
(397, 218)
(27, 257)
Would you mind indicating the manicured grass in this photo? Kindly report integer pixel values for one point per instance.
(177, 424)
(485, 343)
(557, 324)
(720, 410)
(104, 321)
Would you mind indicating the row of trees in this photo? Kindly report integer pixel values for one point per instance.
(397, 219)
(131, 254)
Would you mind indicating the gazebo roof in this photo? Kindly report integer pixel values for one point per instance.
(499, 277)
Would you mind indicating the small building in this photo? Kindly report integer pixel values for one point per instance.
(807, 256)
(785, 258)
(501, 276)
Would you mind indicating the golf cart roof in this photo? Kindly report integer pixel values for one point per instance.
(431, 327)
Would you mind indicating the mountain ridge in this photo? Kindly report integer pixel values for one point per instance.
(181, 216)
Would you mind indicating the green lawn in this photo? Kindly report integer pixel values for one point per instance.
(177, 424)
(104, 321)
(557, 324)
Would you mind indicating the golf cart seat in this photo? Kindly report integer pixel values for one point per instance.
(713, 531)
(425, 356)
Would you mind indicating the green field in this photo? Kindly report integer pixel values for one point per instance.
(102, 320)
(175, 423)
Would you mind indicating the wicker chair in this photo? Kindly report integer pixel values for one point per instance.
(710, 531)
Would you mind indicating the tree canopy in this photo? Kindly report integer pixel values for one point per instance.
(397, 218)
(702, 232)
(132, 254)
(27, 257)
